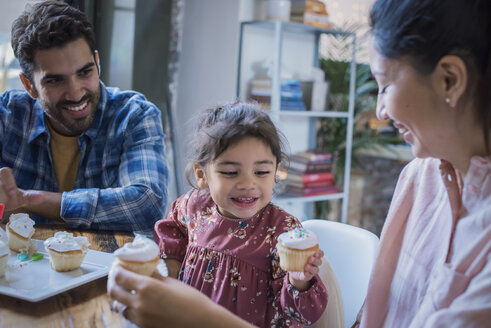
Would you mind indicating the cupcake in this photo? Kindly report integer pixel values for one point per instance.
(4, 256)
(3, 236)
(66, 252)
(295, 247)
(140, 256)
(19, 232)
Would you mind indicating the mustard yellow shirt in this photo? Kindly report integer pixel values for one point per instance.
(66, 157)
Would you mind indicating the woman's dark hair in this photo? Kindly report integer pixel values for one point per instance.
(222, 126)
(426, 30)
(44, 25)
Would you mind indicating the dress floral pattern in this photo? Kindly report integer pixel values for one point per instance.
(235, 262)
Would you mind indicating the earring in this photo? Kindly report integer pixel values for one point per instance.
(447, 100)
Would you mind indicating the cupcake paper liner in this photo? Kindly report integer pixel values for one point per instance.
(17, 243)
(144, 268)
(294, 260)
(65, 262)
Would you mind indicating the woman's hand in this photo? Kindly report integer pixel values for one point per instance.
(162, 301)
(143, 300)
(301, 280)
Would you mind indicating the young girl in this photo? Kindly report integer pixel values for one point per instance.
(222, 235)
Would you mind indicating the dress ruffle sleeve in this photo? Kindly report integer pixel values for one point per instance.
(171, 234)
(303, 307)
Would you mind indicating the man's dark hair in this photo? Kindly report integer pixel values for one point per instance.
(45, 25)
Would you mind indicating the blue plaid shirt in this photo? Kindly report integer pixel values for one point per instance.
(122, 177)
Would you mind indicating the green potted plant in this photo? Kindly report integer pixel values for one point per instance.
(331, 133)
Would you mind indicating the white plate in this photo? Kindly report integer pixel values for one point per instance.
(36, 280)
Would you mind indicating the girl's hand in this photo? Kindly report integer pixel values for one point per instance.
(301, 280)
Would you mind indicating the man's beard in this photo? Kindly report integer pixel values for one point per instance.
(72, 127)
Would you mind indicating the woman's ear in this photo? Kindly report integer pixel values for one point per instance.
(453, 78)
(31, 90)
(200, 176)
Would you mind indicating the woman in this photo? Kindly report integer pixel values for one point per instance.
(432, 61)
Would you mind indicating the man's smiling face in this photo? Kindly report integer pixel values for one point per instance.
(66, 82)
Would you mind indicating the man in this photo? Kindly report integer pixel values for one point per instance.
(72, 149)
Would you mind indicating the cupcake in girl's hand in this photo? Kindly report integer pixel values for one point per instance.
(140, 256)
(295, 247)
(4, 256)
(19, 232)
(66, 252)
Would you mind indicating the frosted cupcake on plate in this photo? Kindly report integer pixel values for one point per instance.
(141, 255)
(4, 256)
(3, 236)
(19, 232)
(295, 247)
(66, 252)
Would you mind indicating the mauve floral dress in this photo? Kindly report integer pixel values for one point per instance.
(235, 263)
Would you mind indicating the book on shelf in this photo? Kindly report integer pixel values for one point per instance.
(301, 167)
(310, 184)
(313, 156)
(292, 105)
(290, 94)
(309, 180)
(309, 177)
(310, 191)
(309, 174)
(310, 12)
(317, 20)
(305, 162)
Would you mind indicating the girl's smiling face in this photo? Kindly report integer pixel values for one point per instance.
(411, 100)
(241, 179)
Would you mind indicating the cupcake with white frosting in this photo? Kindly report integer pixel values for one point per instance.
(3, 236)
(19, 232)
(140, 256)
(295, 247)
(4, 256)
(66, 252)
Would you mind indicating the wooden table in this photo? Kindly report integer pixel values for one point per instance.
(84, 306)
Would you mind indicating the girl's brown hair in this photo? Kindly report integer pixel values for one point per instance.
(222, 126)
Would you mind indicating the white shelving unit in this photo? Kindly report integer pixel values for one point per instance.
(287, 48)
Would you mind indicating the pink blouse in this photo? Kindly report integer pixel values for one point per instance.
(235, 263)
(434, 263)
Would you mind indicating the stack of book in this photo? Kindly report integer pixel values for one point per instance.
(261, 92)
(310, 12)
(309, 174)
(290, 93)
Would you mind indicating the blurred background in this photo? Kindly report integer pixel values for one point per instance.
(184, 56)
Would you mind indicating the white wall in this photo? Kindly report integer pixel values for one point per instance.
(208, 62)
(9, 68)
(10, 9)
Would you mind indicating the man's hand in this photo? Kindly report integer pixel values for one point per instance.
(13, 197)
